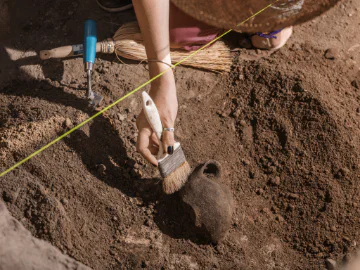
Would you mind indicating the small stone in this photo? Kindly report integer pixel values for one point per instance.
(243, 123)
(333, 228)
(297, 88)
(148, 223)
(245, 161)
(101, 168)
(332, 53)
(8, 197)
(115, 218)
(252, 173)
(356, 84)
(293, 196)
(275, 181)
(330, 264)
(259, 191)
(279, 218)
(290, 207)
(121, 117)
(64, 201)
(68, 123)
(342, 172)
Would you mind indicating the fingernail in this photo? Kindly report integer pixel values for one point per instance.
(170, 150)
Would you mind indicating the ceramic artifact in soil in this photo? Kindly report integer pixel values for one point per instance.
(209, 201)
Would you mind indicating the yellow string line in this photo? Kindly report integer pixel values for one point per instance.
(127, 95)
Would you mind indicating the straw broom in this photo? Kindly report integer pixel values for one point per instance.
(128, 43)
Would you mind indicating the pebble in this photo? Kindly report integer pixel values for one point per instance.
(293, 196)
(101, 168)
(298, 88)
(332, 53)
(68, 123)
(252, 173)
(356, 84)
(333, 228)
(342, 172)
(7, 197)
(259, 191)
(279, 218)
(148, 223)
(115, 218)
(245, 161)
(243, 123)
(64, 201)
(121, 117)
(330, 264)
(275, 181)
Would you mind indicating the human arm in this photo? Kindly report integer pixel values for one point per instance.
(153, 18)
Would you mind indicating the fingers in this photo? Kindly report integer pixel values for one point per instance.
(143, 144)
(168, 141)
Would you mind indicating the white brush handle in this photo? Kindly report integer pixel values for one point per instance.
(153, 117)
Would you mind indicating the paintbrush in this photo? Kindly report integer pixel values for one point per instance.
(174, 169)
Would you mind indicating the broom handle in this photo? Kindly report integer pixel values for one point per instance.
(65, 51)
(106, 46)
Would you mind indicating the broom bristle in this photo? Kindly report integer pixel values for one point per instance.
(129, 44)
(176, 179)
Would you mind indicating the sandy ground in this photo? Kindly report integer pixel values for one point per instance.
(285, 129)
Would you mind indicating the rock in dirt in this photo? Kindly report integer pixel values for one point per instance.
(332, 53)
(64, 201)
(298, 88)
(275, 181)
(68, 123)
(35, 253)
(330, 264)
(356, 83)
(8, 197)
(121, 117)
(279, 218)
(343, 172)
(101, 168)
(293, 196)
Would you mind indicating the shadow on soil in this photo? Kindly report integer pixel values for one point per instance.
(172, 217)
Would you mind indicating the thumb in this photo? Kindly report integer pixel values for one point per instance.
(168, 141)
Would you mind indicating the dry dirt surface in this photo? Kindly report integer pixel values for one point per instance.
(20, 250)
(284, 127)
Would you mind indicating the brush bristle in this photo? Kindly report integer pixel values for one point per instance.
(129, 44)
(176, 179)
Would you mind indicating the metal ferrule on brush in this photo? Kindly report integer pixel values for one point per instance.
(171, 162)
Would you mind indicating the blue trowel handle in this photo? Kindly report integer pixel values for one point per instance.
(90, 40)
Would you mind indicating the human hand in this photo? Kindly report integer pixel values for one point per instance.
(163, 93)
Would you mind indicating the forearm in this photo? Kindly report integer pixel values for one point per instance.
(153, 18)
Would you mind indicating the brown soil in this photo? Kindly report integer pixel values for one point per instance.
(285, 129)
